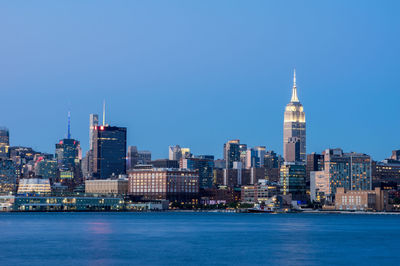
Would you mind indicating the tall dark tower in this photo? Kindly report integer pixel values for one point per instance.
(109, 150)
(294, 129)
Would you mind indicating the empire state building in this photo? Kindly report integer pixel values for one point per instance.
(294, 129)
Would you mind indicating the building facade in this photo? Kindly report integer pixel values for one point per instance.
(107, 186)
(351, 171)
(293, 180)
(8, 177)
(175, 185)
(232, 153)
(367, 200)
(109, 151)
(319, 186)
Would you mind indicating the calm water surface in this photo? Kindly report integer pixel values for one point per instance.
(198, 239)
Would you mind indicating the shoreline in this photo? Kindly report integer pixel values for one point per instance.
(216, 211)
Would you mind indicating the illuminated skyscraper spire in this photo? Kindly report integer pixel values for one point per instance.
(104, 113)
(69, 125)
(294, 91)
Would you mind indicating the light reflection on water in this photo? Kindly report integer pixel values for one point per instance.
(197, 238)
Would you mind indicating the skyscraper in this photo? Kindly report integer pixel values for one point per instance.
(294, 128)
(94, 122)
(231, 152)
(4, 142)
(293, 180)
(175, 153)
(68, 156)
(109, 151)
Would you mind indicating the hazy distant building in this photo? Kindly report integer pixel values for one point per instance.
(165, 163)
(109, 151)
(144, 157)
(219, 164)
(132, 158)
(294, 129)
(255, 157)
(4, 143)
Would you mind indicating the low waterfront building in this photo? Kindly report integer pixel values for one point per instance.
(32, 203)
(367, 200)
(158, 205)
(37, 186)
(107, 186)
(7, 203)
(175, 185)
(259, 192)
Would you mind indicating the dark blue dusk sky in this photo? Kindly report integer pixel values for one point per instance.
(197, 73)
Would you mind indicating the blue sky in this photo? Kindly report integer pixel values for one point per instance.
(197, 73)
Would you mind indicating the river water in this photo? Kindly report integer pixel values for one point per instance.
(175, 238)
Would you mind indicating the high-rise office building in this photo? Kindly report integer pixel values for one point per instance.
(68, 151)
(231, 153)
(294, 128)
(255, 157)
(4, 143)
(132, 157)
(109, 151)
(293, 180)
(68, 154)
(93, 122)
(204, 164)
(175, 153)
(68, 157)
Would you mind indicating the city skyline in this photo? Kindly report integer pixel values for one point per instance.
(294, 98)
(235, 83)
